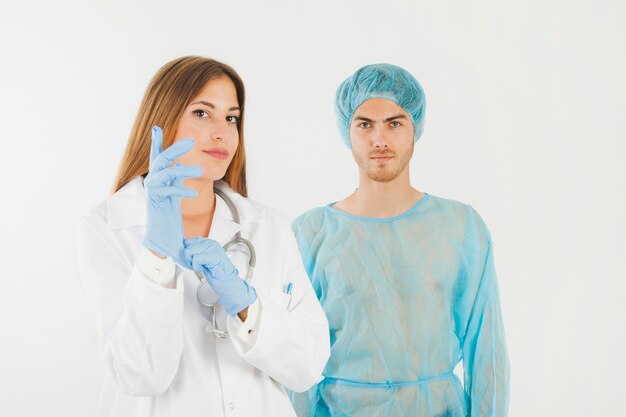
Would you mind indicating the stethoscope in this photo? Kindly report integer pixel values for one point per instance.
(205, 295)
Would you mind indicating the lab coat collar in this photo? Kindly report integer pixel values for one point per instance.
(127, 208)
(224, 226)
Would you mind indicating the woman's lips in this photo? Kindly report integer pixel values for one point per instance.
(220, 154)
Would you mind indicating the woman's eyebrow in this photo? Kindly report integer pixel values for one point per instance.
(211, 105)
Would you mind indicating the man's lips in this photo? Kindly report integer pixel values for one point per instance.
(217, 153)
(381, 157)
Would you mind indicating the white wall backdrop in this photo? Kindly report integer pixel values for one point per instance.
(525, 121)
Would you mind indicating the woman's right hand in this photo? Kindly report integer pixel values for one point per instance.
(164, 187)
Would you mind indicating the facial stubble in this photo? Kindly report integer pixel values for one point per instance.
(382, 172)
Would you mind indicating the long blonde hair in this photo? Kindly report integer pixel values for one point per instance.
(170, 91)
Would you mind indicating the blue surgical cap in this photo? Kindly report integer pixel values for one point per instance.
(379, 81)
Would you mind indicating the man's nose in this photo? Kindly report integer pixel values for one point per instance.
(379, 139)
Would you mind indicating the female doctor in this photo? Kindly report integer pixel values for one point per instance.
(182, 327)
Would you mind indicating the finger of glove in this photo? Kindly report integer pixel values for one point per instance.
(194, 248)
(199, 263)
(156, 146)
(165, 158)
(161, 193)
(199, 245)
(170, 176)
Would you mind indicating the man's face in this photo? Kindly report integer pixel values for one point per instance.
(381, 134)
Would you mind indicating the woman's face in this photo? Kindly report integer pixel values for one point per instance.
(211, 120)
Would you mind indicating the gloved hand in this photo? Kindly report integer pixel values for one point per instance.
(164, 186)
(208, 256)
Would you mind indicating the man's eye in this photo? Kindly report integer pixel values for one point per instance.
(200, 113)
(364, 125)
(395, 124)
(232, 119)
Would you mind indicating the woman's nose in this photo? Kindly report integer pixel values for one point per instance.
(220, 131)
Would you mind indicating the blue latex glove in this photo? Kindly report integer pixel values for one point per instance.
(208, 256)
(164, 186)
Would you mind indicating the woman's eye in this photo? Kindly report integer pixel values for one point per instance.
(201, 113)
(232, 119)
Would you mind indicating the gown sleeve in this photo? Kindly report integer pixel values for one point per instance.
(485, 361)
(138, 322)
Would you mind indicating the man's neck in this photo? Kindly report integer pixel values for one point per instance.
(381, 199)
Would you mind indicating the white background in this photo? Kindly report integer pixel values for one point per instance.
(525, 121)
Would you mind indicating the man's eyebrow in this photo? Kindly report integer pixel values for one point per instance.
(392, 118)
(211, 105)
(388, 119)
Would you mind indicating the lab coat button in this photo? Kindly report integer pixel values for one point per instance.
(232, 406)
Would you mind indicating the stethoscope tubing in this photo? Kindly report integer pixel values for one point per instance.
(251, 264)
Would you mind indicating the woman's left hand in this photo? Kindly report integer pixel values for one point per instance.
(208, 256)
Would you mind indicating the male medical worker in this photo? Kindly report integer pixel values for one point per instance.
(406, 279)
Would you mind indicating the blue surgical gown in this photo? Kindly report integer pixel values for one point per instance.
(407, 299)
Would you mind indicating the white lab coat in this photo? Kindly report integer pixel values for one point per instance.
(162, 359)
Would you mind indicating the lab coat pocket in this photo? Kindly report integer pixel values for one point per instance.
(281, 299)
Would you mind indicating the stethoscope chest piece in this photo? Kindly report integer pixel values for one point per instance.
(205, 294)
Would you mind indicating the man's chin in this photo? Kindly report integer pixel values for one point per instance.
(382, 176)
